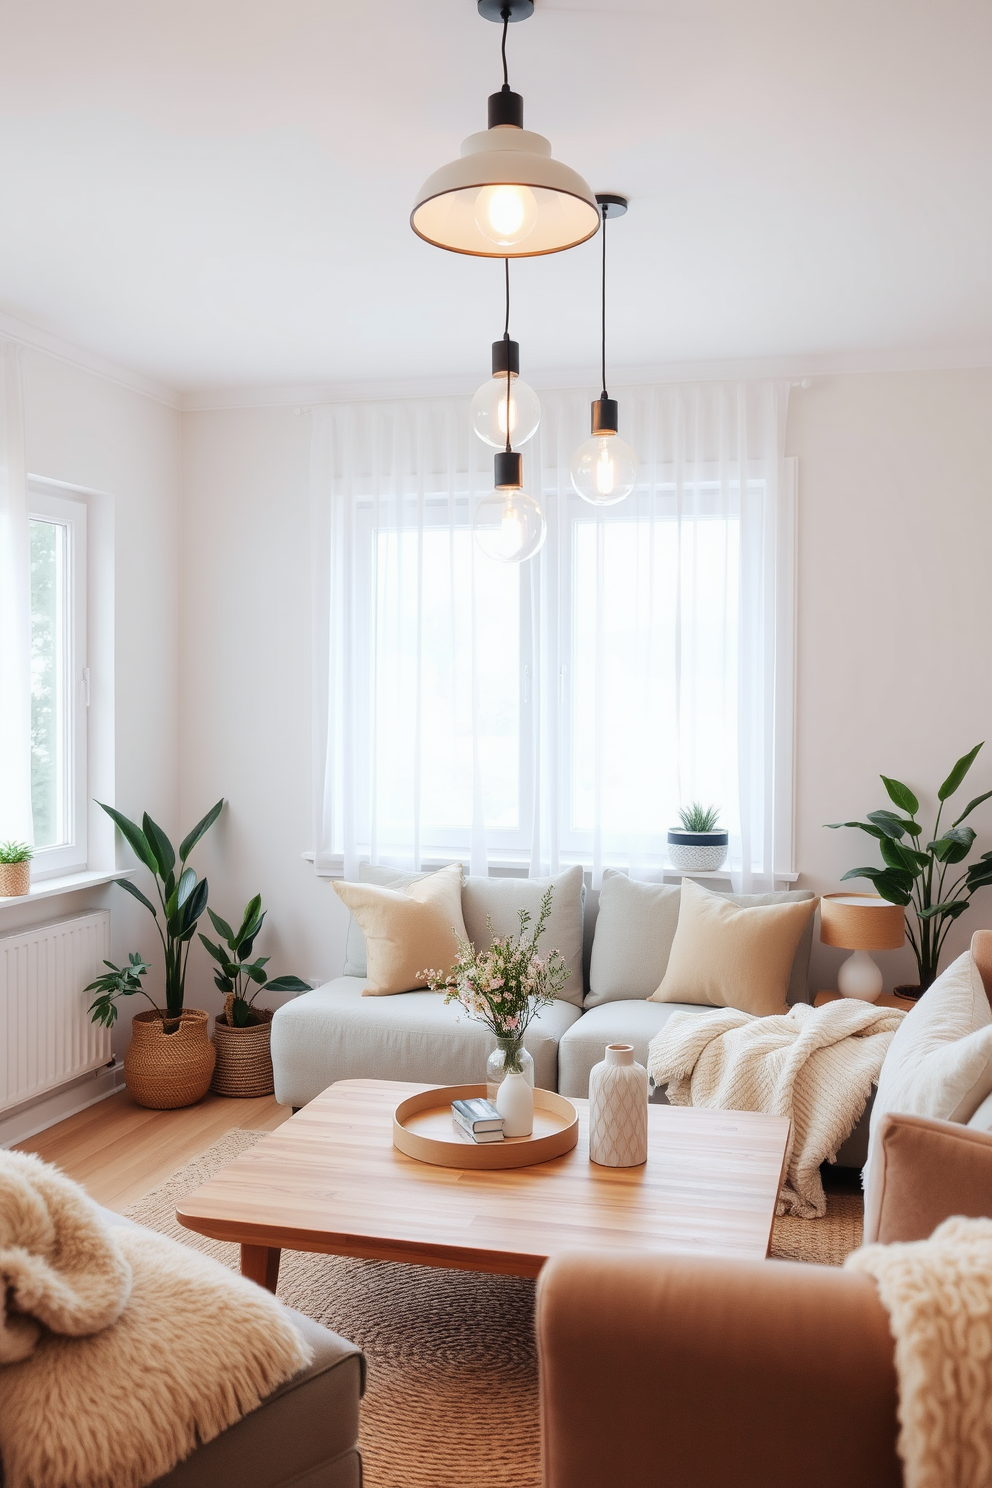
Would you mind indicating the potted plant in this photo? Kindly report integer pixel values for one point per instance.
(915, 875)
(242, 1031)
(698, 846)
(170, 1059)
(15, 869)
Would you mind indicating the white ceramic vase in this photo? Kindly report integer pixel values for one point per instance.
(515, 1103)
(618, 1109)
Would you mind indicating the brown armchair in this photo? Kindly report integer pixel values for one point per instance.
(697, 1373)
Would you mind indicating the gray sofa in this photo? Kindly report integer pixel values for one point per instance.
(616, 943)
(304, 1435)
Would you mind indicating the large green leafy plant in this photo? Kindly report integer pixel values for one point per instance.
(916, 875)
(240, 978)
(182, 896)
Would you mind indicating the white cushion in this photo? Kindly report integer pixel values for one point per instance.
(939, 1063)
(501, 899)
(334, 1033)
(622, 1022)
(982, 1119)
(635, 929)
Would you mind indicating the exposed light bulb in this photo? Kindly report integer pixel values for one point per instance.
(489, 411)
(509, 526)
(506, 214)
(604, 470)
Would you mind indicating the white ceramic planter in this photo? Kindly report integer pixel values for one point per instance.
(515, 1103)
(618, 1109)
(697, 852)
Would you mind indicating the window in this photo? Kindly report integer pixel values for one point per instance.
(564, 709)
(59, 681)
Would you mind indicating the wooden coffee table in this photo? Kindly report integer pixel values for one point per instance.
(330, 1180)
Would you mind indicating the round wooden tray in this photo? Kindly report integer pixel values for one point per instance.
(424, 1128)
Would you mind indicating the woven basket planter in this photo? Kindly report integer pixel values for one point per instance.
(244, 1062)
(166, 1070)
(15, 879)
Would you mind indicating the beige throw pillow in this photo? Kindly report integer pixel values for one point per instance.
(407, 930)
(725, 956)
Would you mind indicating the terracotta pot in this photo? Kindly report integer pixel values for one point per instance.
(166, 1070)
(244, 1062)
(15, 880)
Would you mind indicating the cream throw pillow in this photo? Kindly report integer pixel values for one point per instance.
(939, 1064)
(724, 956)
(407, 930)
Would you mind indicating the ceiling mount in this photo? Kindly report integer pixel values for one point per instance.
(494, 10)
(611, 206)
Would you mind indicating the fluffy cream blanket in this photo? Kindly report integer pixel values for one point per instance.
(814, 1065)
(938, 1294)
(120, 1350)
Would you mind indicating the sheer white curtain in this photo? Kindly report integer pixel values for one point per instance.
(15, 607)
(562, 710)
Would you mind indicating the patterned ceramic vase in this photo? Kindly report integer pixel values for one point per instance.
(618, 1110)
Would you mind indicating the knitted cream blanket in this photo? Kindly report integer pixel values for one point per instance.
(814, 1065)
(119, 1349)
(938, 1294)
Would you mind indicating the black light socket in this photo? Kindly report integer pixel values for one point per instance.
(509, 468)
(506, 357)
(506, 107)
(605, 413)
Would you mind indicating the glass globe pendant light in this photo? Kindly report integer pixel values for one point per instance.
(604, 468)
(505, 409)
(505, 196)
(508, 524)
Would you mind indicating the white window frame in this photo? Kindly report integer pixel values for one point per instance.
(69, 512)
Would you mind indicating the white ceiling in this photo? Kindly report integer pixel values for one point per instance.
(216, 193)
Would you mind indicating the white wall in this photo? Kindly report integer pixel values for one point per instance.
(895, 539)
(92, 432)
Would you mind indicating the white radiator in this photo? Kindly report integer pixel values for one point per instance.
(46, 1037)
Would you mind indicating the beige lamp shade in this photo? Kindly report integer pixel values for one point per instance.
(861, 922)
(505, 198)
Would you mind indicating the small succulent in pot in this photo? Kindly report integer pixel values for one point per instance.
(236, 974)
(15, 869)
(698, 846)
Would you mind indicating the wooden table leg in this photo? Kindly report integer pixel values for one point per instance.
(260, 1263)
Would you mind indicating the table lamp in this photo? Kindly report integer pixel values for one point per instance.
(861, 923)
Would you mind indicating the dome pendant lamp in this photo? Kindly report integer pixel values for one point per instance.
(505, 407)
(604, 469)
(509, 525)
(505, 197)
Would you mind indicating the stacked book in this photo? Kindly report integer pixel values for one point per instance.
(478, 1119)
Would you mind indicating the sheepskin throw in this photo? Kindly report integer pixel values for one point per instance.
(938, 1294)
(814, 1065)
(120, 1350)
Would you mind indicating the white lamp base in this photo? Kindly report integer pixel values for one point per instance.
(860, 977)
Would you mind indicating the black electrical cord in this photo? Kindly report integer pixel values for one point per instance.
(506, 21)
(506, 338)
(604, 393)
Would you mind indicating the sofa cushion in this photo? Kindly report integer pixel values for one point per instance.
(334, 1033)
(939, 1064)
(408, 931)
(726, 955)
(623, 1022)
(501, 899)
(356, 953)
(635, 929)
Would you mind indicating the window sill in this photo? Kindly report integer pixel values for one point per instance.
(68, 883)
(667, 871)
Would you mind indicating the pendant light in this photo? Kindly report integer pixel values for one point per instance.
(604, 468)
(509, 525)
(505, 197)
(505, 407)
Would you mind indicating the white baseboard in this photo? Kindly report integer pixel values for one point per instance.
(26, 1120)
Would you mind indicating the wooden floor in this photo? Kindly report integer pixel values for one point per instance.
(119, 1151)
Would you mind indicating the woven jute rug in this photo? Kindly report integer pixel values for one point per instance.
(452, 1378)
